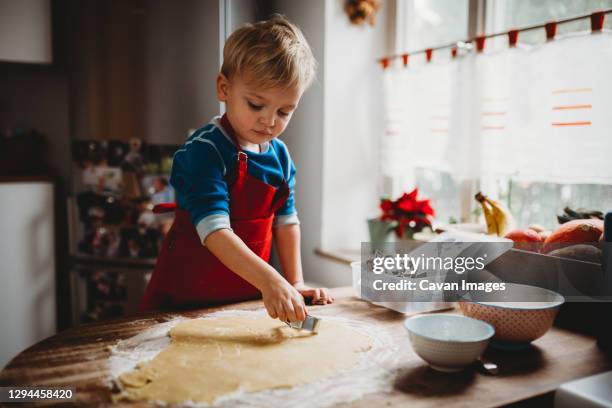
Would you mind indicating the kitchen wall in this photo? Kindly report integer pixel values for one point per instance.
(183, 59)
(353, 122)
(238, 12)
(305, 137)
(144, 68)
(332, 136)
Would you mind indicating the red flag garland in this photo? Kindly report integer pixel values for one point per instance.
(597, 22)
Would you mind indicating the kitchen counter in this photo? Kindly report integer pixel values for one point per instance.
(77, 358)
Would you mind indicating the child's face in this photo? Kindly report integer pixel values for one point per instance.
(257, 115)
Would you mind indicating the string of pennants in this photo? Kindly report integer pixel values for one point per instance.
(597, 22)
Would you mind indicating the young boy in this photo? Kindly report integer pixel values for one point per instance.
(234, 183)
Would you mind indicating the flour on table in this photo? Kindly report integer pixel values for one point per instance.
(371, 372)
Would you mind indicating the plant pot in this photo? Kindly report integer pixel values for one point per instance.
(381, 232)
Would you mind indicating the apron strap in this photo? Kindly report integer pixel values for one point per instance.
(241, 173)
(241, 156)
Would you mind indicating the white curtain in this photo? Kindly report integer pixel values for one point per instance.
(539, 114)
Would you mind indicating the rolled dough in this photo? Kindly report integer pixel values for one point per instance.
(213, 357)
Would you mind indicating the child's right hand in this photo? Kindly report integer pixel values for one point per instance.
(283, 301)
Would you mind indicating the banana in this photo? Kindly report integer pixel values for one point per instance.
(492, 228)
(499, 219)
(505, 220)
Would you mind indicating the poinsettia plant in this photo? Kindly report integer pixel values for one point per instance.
(411, 214)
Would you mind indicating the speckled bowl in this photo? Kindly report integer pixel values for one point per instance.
(520, 314)
(448, 342)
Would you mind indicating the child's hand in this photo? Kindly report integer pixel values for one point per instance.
(319, 296)
(283, 301)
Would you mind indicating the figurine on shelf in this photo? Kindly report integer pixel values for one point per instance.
(133, 167)
(116, 153)
(147, 232)
(105, 242)
(134, 248)
(361, 10)
(133, 160)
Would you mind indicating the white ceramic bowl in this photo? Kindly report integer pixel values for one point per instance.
(448, 342)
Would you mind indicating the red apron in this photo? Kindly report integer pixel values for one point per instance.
(187, 273)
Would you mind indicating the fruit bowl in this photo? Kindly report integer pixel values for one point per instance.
(520, 314)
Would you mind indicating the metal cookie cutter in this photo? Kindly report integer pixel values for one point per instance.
(310, 324)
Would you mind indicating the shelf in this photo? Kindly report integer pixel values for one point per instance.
(27, 179)
(103, 262)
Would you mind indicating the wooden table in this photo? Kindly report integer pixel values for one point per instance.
(77, 358)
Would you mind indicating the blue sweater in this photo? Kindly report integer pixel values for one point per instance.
(199, 171)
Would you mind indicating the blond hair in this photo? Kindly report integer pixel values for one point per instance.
(271, 53)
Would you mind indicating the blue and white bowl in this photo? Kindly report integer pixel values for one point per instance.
(448, 342)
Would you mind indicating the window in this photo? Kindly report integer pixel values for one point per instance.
(537, 202)
(426, 24)
(430, 23)
(505, 15)
(535, 192)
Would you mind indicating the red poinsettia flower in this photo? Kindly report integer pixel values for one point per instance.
(386, 206)
(411, 214)
(409, 203)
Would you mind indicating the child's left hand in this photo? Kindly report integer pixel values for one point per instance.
(319, 296)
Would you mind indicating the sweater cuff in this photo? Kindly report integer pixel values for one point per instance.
(288, 219)
(212, 223)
